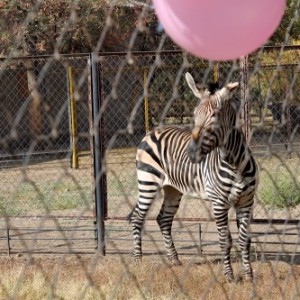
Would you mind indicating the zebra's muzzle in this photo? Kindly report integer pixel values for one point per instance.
(193, 152)
(196, 134)
(201, 144)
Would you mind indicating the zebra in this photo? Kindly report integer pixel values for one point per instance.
(211, 161)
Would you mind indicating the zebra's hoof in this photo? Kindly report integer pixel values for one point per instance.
(248, 278)
(137, 260)
(229, 278)
(175, 262)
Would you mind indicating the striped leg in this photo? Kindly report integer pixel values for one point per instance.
(165, 218)
(243, 220)
(148, 191)
(225, 239)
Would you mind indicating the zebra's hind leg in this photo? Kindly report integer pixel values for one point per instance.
(225, 239)
(148, 191)
(165, 218)
(243, 220)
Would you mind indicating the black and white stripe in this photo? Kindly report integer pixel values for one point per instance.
(211, 161)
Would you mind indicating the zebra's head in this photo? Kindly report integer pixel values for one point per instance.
(214, 117)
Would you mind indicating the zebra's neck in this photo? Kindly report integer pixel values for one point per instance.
(236, 151)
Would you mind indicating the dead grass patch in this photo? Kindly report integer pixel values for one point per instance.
(115, 277)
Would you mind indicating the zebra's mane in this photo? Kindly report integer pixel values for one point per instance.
(213, 87)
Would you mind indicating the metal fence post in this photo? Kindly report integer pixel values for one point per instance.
(98, 155)
(245, 109)
(8, 241)
(146, 101)
(216, 72)
(200, 240)
(73, 122)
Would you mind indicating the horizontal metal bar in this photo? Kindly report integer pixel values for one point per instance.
(53, 239)
(117, 218)
(48, 217)
(123, 53)
(288, 47)
(51, 252)
(154, 53)
(253, 221)
(86, 55)
(275, 221)
(32, 230)
(208, 242)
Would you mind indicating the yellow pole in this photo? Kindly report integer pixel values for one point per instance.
(146, 102)
(216, 72)
(74, 163)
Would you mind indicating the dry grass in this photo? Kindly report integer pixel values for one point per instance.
(118, 278)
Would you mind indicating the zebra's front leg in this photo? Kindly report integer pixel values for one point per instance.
(165, 218)
(225, 239)
(243, 220)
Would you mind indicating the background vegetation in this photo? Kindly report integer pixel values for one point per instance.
(44, 27)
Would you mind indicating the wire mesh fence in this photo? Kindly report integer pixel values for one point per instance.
(36, 136)
(42, 188)
(130, 112)
(69, 130)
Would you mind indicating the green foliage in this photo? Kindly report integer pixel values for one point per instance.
(280, 189)
(30, 27)
(289, 28)
(271, 83)
(44, 27)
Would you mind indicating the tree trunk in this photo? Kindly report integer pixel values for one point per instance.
(35, 116)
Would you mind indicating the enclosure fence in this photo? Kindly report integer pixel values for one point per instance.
(69, 133)
(151, 91)
(70, 125)
(46, 166)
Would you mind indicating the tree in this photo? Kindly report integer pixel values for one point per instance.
(73, 26)
(31, 27)
(290, 25)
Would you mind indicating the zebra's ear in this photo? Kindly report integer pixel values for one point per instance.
(198, 91)
(226, 91)
(232, 86)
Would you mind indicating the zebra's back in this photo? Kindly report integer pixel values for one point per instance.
(162, 158)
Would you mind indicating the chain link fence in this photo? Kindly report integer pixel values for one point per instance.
(38, 121)
(45, 154)
(69, 129)
(35, 105)
(139, 93)
(275, 100)
(146, 96)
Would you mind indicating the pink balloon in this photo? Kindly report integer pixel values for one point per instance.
(220, 29)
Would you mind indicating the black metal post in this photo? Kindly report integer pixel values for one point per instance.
(98, 172)
(8, 241)
(200, 239)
